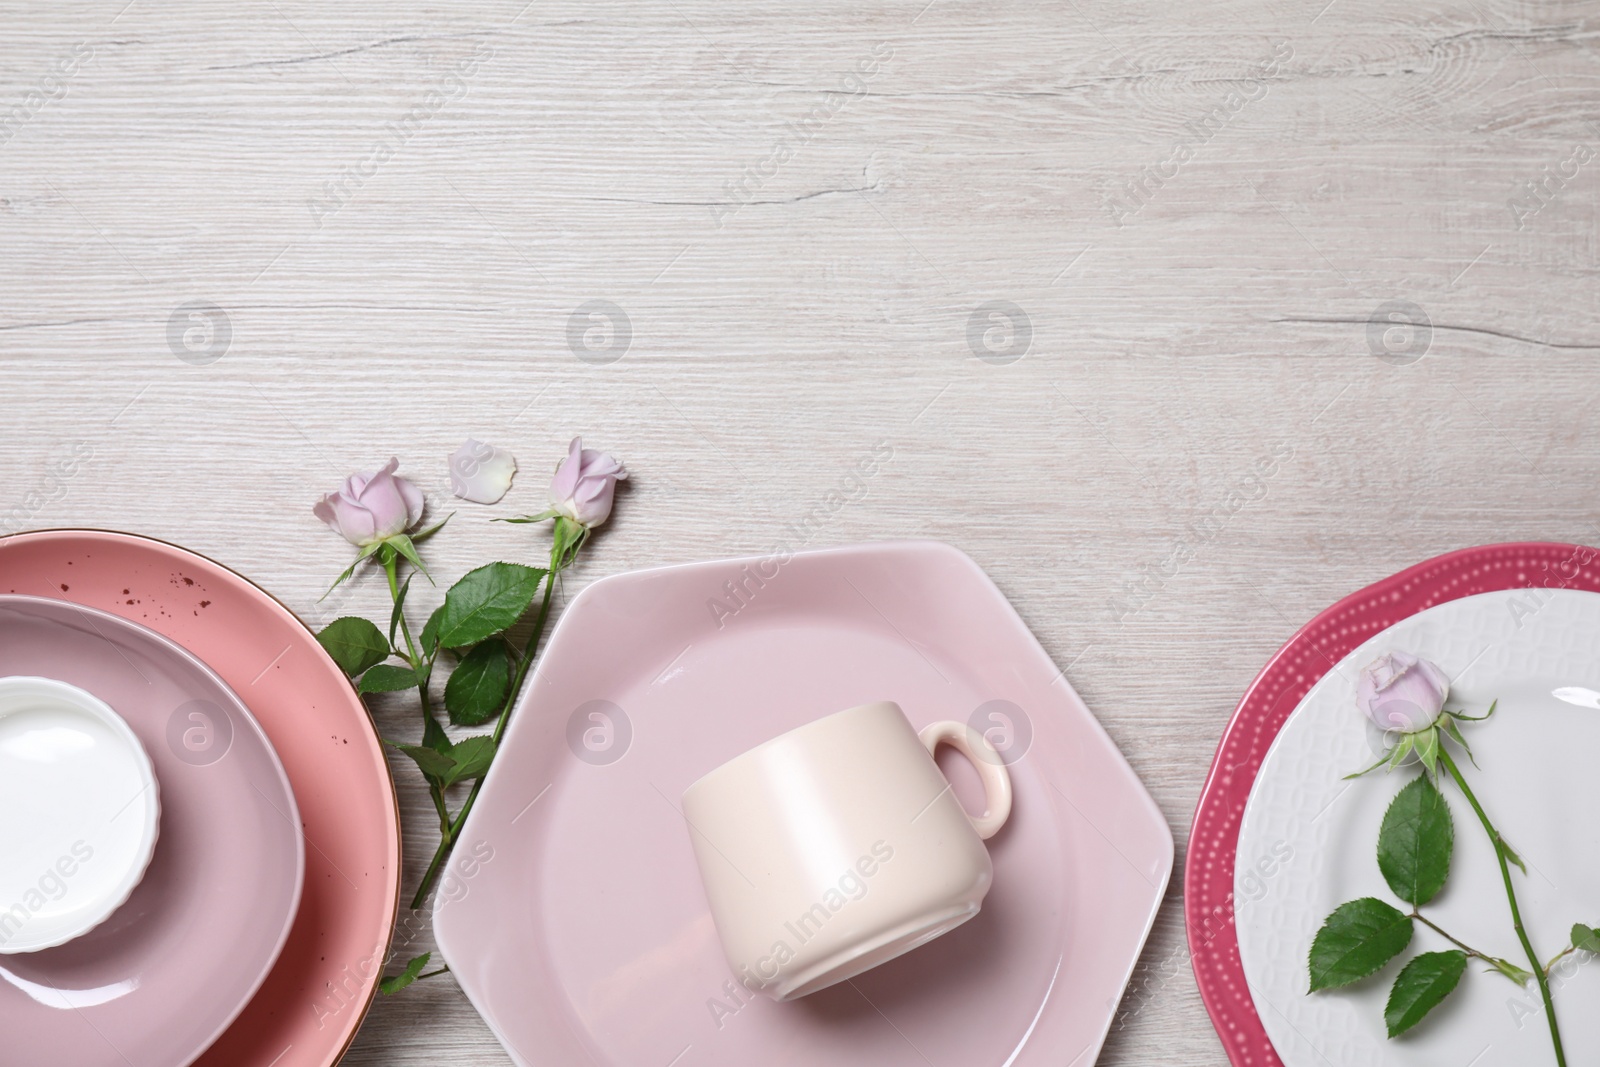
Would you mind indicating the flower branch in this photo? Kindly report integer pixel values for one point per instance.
(376, 513)
(1404, 696)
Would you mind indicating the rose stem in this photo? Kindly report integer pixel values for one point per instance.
(453, 828)
(390, 569)
(1511, 898)
(1558, 957)
(1462, 945)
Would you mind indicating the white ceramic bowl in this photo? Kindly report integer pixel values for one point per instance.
(79, 813)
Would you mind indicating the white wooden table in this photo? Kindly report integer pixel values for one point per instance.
(1102, 273)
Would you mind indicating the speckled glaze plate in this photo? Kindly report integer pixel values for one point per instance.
(1534, 774)
(1210, 868)
(573, 913)
(207, 921)
(307, 1010)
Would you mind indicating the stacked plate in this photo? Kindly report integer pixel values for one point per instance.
(1281, 838)
(199, 844)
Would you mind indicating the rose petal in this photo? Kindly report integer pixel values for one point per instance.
(354, 521)
(383, 498)
(566, 477)
(413, 500)
(481, 473)
(323, 509)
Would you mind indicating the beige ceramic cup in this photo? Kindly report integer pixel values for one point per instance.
(840, 845)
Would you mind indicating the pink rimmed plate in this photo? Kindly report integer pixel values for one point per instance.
(213, 909)
(573, 915)
(1210, 868)
(307, 1011)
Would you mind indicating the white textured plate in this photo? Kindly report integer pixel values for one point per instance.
(1308, 841)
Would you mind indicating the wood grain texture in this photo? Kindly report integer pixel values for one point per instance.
(399, 208)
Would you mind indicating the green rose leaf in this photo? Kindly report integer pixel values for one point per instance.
(486, 601)
(398, 982)
(449, 763)
(477, 688)
(387, 678)
(472, 756)
(399, 603)
(430, 761)
(1357, 939)
(433, 735)
(430, 632)
(1585, 937)
(355, 644)
(1421, 985)
(1415, 842)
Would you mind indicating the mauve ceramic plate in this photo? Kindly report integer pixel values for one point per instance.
(306, 1012)
(573, 915)
(1210, 868)
(158, 980)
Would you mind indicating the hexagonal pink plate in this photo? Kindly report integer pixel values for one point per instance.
(573, 914)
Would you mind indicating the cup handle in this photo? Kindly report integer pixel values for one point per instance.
(991, 769)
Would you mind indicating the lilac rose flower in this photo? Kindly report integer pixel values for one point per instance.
(585, 485)
(372, 507)
(1399, 691)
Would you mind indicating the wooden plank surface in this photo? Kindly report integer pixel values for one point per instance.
(1103, 273)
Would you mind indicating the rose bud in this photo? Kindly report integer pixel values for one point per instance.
(372, 507)
(1399, 691)
(584, 485)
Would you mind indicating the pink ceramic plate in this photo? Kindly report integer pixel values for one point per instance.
(1276, 692)
(573, 914)
(205, 924)
(306, 1012)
